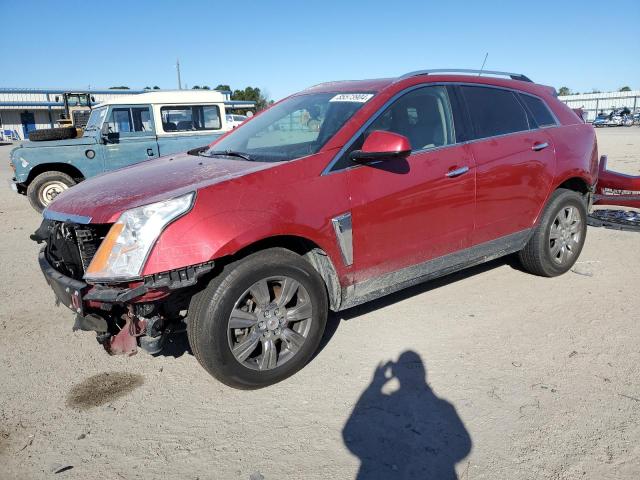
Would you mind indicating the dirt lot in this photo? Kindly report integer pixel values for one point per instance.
(526, 378)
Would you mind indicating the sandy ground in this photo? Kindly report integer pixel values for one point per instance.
(526, 378)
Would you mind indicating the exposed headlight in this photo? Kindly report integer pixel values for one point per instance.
(124, 250)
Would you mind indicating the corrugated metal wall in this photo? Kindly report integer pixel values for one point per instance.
(593, 103)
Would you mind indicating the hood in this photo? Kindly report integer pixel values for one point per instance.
(103, 198)
(88, 140)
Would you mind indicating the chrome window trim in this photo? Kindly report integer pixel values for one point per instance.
(328, 169)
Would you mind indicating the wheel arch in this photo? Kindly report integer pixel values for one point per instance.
(306, 248)
(67, 168)
(575, 183)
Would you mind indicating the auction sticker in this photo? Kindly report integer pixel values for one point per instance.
(352, 97)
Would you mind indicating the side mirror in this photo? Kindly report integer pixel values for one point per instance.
(382, 145)
(107, 136)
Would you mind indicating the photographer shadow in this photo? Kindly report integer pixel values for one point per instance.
(409, 433)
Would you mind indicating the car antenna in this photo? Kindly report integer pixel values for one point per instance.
(483, 62)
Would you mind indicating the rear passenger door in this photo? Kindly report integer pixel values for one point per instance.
(515, 162)
(132, 136)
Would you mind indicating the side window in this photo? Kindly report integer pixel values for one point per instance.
(120, 121)
(187, 118)
(422, 115)
(130, 120)
(494, 111)
(539, 110)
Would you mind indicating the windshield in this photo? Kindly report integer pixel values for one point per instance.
(294, 128)
(95, 119)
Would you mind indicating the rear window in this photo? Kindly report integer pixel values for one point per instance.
(539, 110)
(494, 111)
(185, 118)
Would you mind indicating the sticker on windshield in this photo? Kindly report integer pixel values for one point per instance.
(352, 97)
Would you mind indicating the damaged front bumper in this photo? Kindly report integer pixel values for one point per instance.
(126, 316)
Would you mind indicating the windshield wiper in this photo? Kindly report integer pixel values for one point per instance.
(229, 153)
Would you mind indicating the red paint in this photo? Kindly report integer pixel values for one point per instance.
(386, 142)
(626, 188)
(404, 211)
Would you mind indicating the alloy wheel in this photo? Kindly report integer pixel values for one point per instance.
(269, 323)
(565, 235)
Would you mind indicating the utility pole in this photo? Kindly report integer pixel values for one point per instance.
(178, 70)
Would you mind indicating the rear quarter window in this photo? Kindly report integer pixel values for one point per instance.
(494, 111)
(539, 110)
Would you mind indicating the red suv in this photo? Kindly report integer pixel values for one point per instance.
(337, 195)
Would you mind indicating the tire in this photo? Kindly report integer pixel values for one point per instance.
(548, 257)
(46, 186)
(61, 133)
(213, 340)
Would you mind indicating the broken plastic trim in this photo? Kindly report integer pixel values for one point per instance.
(614, 188)
(615, 219)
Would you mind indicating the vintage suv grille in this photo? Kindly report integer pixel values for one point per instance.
(70, 247)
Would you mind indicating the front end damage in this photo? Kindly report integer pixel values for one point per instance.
(125, 316)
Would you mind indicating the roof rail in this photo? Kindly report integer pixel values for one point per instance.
(513, 76)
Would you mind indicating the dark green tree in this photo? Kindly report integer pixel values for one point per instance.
(122, 87)
(223, 88)
(625, 89)
(564, 91)
(251, 94)
(155, 87)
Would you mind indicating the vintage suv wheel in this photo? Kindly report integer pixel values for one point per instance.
(47, 186)
(559, 237)
(260, 320)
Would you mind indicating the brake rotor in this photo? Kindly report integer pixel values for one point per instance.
(615, 219)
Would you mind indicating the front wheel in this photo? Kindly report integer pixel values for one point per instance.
(46, 187)
(260, 320)
(559, 237)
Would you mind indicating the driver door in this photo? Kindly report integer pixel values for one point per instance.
(408, 211)
(132, 136)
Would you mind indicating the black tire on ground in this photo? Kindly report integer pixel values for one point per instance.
(46, 186)
(61, 133)
(210, 310)
(537, 256)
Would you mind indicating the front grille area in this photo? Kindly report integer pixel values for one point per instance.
(70, 247)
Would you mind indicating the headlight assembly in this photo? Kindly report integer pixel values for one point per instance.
(124, 250)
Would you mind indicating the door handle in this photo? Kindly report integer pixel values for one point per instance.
(150, 152)
(539, 146)
(457, 172)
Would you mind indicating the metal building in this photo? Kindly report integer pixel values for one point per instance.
(23, 110)
(594, 103)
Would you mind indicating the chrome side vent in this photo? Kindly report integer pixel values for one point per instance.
(342, 227)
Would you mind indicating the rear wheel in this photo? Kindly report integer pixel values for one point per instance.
(46, 187)
(559, 237)
(260, 320)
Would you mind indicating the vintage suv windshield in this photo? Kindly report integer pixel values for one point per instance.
(294, 128)
(95, 119)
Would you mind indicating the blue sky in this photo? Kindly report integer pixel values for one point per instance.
(284, 46)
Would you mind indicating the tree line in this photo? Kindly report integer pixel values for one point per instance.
(563, 91)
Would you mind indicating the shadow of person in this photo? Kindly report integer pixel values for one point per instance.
(409, 433)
